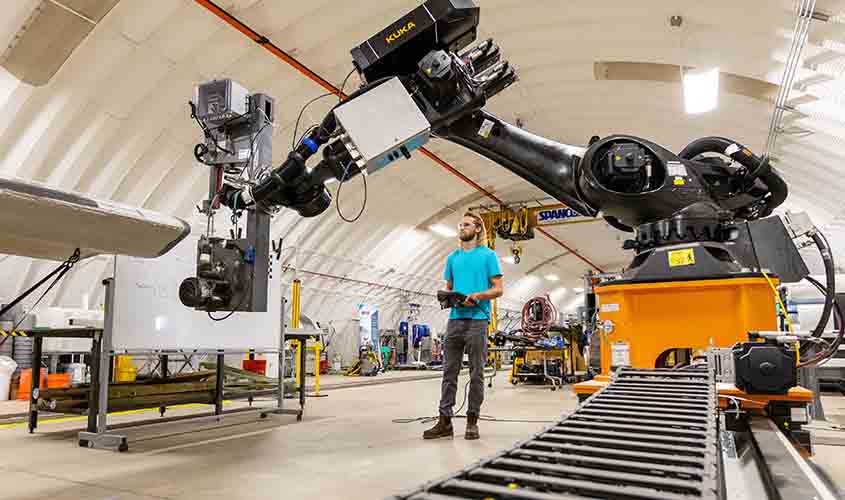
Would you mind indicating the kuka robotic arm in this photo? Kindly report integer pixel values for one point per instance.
(632, 182)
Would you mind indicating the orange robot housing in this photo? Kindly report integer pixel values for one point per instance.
(642, 324)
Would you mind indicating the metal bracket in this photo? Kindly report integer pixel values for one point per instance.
(103, 441)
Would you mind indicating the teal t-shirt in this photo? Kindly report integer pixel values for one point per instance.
(470, 272)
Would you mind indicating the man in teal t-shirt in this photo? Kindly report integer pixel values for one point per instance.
(473, 270)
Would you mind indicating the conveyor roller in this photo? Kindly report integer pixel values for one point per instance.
(650, 434)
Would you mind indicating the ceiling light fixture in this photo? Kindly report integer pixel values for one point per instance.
(701, 89)
(509, 259)
(552, 277)
(578, 290)
(443, 230)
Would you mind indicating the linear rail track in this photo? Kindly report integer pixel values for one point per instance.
(649, 435)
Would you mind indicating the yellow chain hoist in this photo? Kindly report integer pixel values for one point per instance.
(520, 225)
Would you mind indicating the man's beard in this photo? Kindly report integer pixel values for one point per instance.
(467, 236)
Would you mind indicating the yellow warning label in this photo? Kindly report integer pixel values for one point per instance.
(679, 181)
(684, 257)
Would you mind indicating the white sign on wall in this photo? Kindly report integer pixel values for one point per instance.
(620, 354)
(557, 216)
(369, 324)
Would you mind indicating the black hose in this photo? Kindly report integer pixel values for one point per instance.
(830, 279)
(755, 167)
(710, 144)
(837, 309)
(840, 316)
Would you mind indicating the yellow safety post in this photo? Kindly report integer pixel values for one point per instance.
(493, 358)
(317, 347)
(518, 361)
(296, 303)
(296, 290)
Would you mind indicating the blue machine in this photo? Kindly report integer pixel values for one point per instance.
(419, 331)
(403, 337)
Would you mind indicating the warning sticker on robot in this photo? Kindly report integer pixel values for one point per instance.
(486, 127)
(609, 308)
(620, 354)
(684, 257)
(676, 168)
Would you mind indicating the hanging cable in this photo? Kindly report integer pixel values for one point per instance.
(340, 95)
(779, 301)
(342, 85)
(59, 273)
(306, 134)
(233, 311)
(255, 175)
(830, 280)
(337, 201)
(241, 303)
(207, 131)
(833, 348)
(63, 268)
(456, 415)
(298, 118)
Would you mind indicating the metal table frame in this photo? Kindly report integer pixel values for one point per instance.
(100, 435)
(38, 336)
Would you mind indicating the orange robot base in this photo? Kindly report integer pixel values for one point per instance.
(648, 321)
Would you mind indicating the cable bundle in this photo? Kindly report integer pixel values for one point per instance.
(538, 315)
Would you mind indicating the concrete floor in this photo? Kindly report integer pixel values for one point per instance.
(346, 448)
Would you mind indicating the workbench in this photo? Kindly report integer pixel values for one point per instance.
(38, 336)
(98, 433)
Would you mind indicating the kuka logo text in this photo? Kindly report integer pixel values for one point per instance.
(400, 32)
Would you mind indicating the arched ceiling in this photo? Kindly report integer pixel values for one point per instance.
(113, 121)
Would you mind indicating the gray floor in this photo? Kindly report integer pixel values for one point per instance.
(346, 448)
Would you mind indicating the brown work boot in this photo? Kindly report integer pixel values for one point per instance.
(442, 429)
(472, 427)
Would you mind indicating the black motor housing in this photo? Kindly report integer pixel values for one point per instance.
(765, 368)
